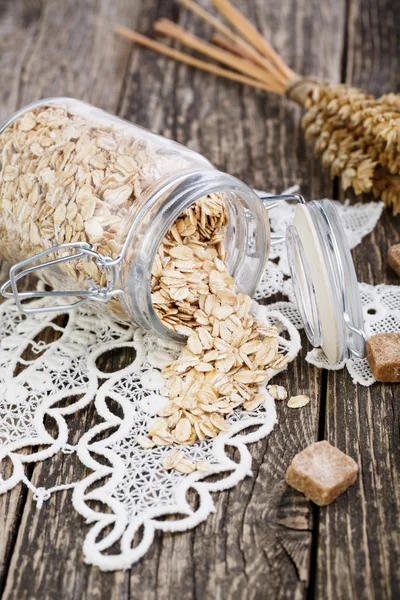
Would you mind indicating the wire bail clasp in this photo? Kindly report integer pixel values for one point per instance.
(94, 291)
(272, 201)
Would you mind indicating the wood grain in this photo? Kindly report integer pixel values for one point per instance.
(264, 540)
(358, 535)
(54, 48)
(259, 533)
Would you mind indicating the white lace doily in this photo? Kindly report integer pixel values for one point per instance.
(381, 304)
(381, 310)
(134, 491)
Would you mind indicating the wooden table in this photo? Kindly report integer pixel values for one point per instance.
(265, 540)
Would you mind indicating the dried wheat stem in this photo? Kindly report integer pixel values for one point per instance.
(223, 29)
(170, 29)
(220, 40)
(247, 29)
(357, 135)
(247, 50)
(189, 60)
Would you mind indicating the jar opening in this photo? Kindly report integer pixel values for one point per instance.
(246, 240)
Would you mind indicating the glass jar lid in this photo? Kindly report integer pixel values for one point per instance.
(325, 282)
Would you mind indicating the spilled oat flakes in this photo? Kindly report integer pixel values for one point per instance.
(228, 354)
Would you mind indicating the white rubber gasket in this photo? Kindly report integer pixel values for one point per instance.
(331, 333)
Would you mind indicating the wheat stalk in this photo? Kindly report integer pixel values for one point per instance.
(356, 135)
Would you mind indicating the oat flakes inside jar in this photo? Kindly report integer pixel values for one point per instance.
(115, 214)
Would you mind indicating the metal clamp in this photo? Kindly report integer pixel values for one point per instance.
(94, 292)
(271, 202)
(360, 332)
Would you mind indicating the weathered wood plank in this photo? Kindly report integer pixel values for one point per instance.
(67, 48)
(18, 24)
(47, 561)
(260, 532)
(55, 48)
(359, 542)
(259, 540)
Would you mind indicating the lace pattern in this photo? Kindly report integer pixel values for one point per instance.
(30, 390)
(381, 311)
(133, 489)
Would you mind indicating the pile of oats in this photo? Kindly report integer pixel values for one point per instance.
(228, 354)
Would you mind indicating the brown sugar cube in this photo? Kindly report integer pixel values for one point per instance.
(383, 354)
(394, 258)
(322, 472)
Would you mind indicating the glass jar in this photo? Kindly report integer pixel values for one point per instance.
(87, 198)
